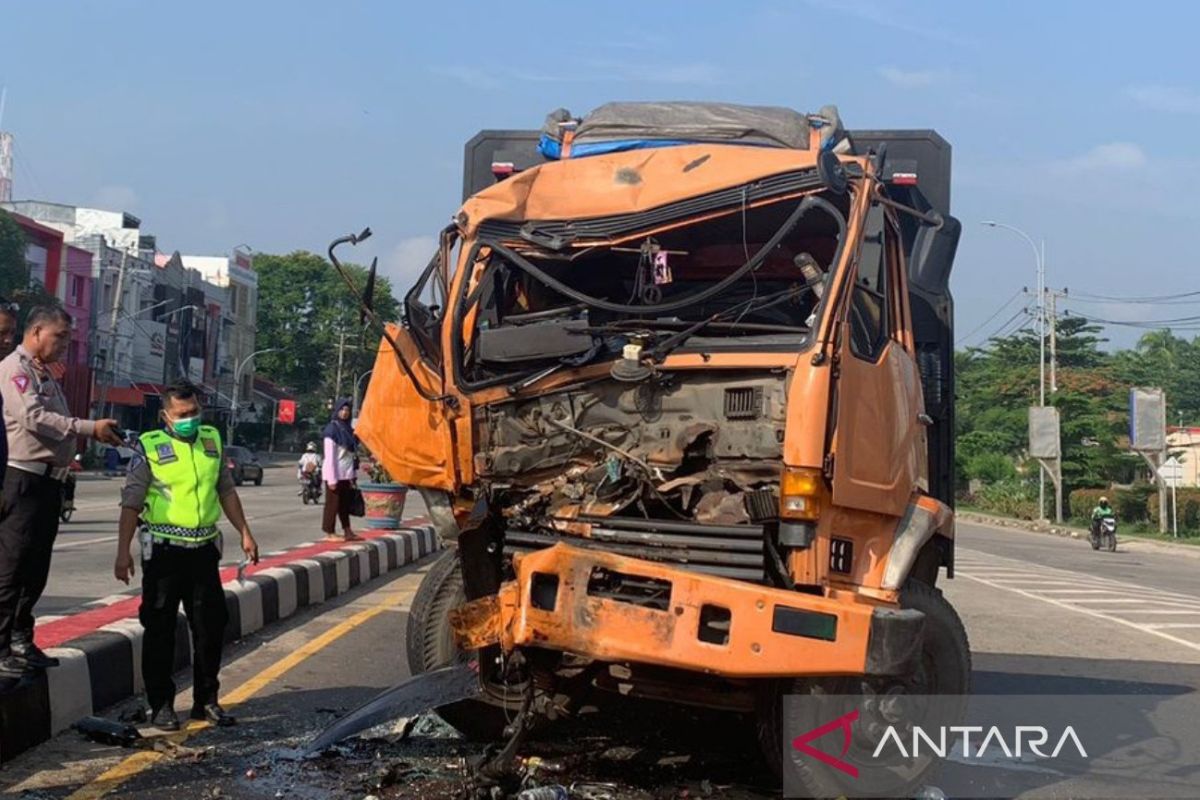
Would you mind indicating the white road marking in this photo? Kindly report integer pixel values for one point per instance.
(83, 543)
(1103, 598)
(111, 599)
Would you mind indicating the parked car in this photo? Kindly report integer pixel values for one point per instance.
(244, 465)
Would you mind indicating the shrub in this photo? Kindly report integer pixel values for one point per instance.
(1081, 502)
(1129, 504)
(1016, 497)
(1189, 508)
(990, 468)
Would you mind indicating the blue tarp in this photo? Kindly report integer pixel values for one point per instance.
(616, 127)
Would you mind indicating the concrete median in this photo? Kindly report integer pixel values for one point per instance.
(100, 648)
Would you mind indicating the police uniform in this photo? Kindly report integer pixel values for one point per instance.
(177, 485)
(41, 437)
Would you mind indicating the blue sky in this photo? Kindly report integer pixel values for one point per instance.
(283, 124)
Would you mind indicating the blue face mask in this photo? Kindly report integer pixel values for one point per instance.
(186, 427)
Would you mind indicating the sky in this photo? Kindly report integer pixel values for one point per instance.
(282, 125)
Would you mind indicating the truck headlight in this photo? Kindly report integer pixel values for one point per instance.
(802, 492)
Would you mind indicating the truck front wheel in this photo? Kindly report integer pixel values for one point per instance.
(430, 644)
(943, 668)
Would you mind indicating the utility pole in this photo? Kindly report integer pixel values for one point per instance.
(237, 381)
(112, 333)
(1052, 298)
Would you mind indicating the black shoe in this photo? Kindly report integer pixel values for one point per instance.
(33, 655)
(214, 714)
(14, 667)
(165, 718)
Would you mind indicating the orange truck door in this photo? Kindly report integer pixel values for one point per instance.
(404, 421)
(878, 434)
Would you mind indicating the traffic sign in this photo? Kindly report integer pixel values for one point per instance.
(1171, 472)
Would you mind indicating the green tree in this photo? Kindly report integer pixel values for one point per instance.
(14, 272)
(997, 384)
(305, 308)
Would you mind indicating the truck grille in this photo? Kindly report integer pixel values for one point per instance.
(743, 402)
(731, 551)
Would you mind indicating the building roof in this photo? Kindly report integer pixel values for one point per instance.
(36, 227)
(270, 389)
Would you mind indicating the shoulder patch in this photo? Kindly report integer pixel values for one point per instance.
(165, 453)
(210, 445)
(21, 380)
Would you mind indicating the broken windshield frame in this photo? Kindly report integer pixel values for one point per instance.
(733, 326)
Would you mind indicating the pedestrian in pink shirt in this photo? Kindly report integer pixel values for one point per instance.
(340, 473)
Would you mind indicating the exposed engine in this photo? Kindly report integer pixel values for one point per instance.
(703, 448)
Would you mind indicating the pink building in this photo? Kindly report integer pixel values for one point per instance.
(75, 291)
(65, 271)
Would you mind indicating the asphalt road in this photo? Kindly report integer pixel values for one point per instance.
(81, 571)
(1045, 616)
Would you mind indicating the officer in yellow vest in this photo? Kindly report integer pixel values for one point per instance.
(177, 485)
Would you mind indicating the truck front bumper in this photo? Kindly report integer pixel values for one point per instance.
(562, 599)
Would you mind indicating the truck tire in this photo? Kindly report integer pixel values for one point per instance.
(945, 668)
(430, 645)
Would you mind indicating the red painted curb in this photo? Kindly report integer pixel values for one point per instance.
(60, 631)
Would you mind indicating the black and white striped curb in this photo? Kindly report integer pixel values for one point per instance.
(102, 668)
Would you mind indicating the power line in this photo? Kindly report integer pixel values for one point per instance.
(1000, 331)
(1181, 323)
(22, 162)
(1014, 327)
(995, 314)
(1087, 300)
(1139, 300)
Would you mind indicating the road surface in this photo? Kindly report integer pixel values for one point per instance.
(1045, 615)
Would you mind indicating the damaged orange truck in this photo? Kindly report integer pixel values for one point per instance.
(677, 391)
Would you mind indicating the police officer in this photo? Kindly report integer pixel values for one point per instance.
(41, 443)
(178, 485)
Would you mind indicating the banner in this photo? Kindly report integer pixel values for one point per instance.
(287, 412)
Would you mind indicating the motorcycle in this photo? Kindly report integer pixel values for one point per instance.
(1104, 534)
(310, 488)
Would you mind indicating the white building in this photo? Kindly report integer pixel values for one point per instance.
(237, 339)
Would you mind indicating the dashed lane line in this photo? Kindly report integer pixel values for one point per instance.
(1093, 596)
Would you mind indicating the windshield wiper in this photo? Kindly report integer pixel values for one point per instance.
(664, 348)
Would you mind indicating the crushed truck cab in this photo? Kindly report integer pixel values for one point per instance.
(677, 389)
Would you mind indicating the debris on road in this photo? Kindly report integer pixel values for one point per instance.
(552, 792)
(105, 731)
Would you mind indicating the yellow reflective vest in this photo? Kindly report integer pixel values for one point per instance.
(182, 503)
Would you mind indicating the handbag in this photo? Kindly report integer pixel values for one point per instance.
(358, 505)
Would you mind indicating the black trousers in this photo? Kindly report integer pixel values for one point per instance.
(29, 507)
(337, 506)
(175, 575)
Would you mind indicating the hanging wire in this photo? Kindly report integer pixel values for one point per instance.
(994, 314)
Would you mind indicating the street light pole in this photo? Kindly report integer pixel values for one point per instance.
(237, 383)
(357, 383)
(1039, 255)
(337, 388)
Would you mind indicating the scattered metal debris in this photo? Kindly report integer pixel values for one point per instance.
(106, 731)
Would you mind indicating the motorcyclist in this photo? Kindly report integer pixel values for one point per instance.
(309, 466)
(1102, 511)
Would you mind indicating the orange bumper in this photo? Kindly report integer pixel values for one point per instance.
(562, 600)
